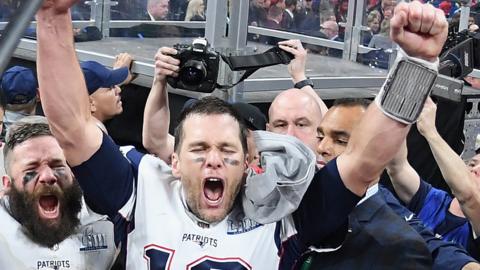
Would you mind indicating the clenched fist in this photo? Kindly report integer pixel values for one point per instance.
(419, 29)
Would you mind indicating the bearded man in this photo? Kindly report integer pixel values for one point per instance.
(44, 223)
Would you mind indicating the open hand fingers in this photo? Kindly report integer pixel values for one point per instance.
(123, 60)
(293, 46)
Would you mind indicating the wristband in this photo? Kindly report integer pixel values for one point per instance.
(408, 85)
(303, 83)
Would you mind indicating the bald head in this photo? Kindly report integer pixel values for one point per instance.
(158, 9)
(330, 28)
(296, 113)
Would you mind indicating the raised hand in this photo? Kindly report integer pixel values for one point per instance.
(165, 64)
(58, 6)
(124, 60)
(296, 68)
(420, 29)
(426, 121)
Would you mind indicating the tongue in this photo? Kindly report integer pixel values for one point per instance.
(48, 202)
(213, 190)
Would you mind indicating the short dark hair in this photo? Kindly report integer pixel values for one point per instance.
(352, 102)
(20, 133)
(289, 3)
(210, 106)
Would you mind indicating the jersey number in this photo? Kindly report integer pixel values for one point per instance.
(160, 258)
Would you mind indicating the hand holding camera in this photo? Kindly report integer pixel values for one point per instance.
(198, 65)
(165, 64)
(198, 68)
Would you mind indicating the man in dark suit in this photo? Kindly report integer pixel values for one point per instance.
(375, 229)
(307, 19)
(379, 236)
(274, 18)
(288, 20)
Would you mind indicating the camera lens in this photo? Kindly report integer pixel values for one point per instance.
(193, 72)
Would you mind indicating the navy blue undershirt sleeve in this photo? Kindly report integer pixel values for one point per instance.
(106, 179)
(322, 217)
(473, 246)
(418, 200)
(446, 255)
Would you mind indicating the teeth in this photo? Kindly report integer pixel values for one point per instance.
(213, 179)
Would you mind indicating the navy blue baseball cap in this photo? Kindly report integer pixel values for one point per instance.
(252, 116)
(98, 76)
(19, 85)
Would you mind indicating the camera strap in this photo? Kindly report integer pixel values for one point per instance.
(251, 63)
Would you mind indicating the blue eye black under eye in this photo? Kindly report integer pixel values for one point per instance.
(231, 161)
(29, 176)
(59, 171)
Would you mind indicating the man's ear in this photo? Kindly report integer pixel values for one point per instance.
(7, 182)
(267, 127)
(175, 165)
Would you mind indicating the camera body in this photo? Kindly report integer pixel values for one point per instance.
(460, 54)
(198, 67)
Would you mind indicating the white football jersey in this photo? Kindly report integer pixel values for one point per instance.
(167, 236)
(92, 247)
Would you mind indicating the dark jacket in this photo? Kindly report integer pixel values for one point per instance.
(378, 239)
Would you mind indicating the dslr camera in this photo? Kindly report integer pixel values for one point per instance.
(459, 56)
(198, 67)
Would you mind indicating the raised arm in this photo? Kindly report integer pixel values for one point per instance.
(296, 68)
(62, 86)
(105, 176)
(420, 30)
(405, 179)
(156, 117)
(322, 216)
(453, 169)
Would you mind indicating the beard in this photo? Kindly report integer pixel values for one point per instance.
(23, 207)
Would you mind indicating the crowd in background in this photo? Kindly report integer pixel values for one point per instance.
(113, 206)
(324, 19)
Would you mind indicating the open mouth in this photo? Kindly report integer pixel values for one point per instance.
(321, 162)
(213, 190)
(48, 207)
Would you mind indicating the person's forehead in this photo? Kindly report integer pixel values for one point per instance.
(475, 159)
(294, 108)
(38, 148)
(211, 124)
(342, 118)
